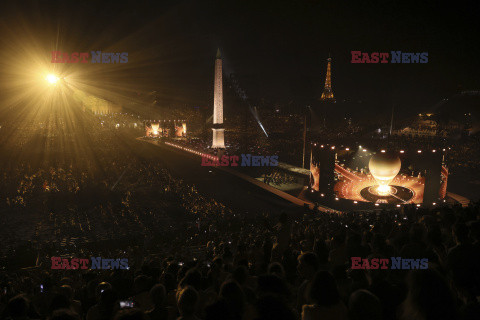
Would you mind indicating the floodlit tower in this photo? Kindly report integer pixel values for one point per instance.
(327, 94)
(218, 140)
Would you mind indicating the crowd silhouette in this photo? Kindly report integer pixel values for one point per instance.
(192, 257)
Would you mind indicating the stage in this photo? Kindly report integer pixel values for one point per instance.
(357, 186)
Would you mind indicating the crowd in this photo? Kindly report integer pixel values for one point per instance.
(465, 158)
(270, 267)
(106, 187)
(191, 257)
(278, 177)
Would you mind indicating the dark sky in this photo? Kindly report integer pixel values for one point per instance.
(277, 48)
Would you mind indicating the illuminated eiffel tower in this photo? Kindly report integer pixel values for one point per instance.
(327, 94)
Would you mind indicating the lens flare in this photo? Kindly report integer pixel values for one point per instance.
(51, 78)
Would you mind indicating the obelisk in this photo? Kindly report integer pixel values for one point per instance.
(218, 141)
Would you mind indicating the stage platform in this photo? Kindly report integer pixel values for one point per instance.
(245, 177)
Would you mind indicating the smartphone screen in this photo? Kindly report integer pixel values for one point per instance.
(126, 304)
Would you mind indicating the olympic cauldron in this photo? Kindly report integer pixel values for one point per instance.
(384, 167)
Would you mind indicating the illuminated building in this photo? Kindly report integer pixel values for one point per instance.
(327, 94)
(218, 140)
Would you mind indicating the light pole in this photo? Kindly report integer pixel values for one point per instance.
(304, 137)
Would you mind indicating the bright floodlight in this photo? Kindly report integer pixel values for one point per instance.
(384, 190)
(155, 128)
(51, 78)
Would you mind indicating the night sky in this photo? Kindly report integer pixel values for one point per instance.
(277, 49)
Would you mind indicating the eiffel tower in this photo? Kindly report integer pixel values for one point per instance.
(327, 94)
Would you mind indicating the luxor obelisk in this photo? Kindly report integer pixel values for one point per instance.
(218, 141)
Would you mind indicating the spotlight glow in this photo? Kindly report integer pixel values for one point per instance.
(384, 190)
(51, 78)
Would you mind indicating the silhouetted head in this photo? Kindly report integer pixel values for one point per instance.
(429, 297)
(18, 306)
(233, 295)
(187, 301)
(64, 314)
(271, 284)
(323, 289)
(130, 314)
(141, 284)
(158, 294)
(277, 269)
(363, 305)
(460, 232)
(307, 264)
(270, 307)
